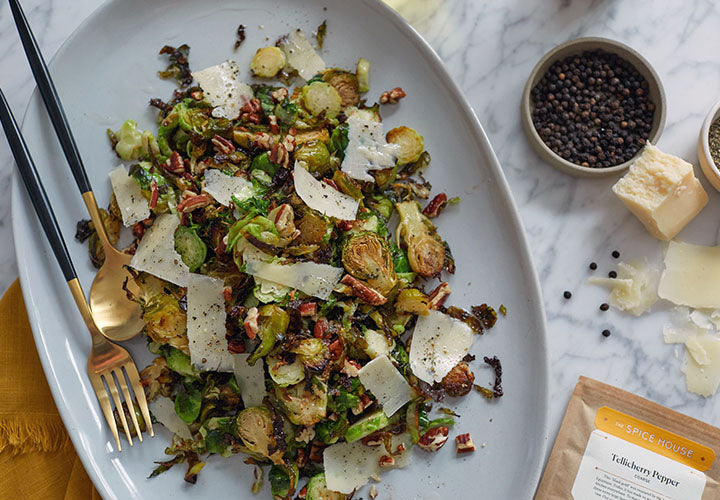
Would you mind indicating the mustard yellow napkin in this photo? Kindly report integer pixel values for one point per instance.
(37, 459)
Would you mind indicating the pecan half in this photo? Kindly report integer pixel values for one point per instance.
(175, 164)
(308, 309)
(285, 220)
(438, 296)
(392, 96)
(434, 439)
(272, 120)
(435, 206)
(363, 292)
(464, 443)
(279, 155)
(222, 145)
(194, 202)
(251, 322)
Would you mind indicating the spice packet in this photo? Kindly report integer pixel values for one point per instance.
(615, 445)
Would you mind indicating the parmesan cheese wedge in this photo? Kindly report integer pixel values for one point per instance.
(439, 343)
(133, 205)
(223, 187)
(251, 379)
(350, 465)
(367, 149)
(223, 90)
(156, 252)
(323, 197)
(386, 383)
(206, 324)
(301, 56)
(311, 278)
(163, 409)
(691, 276)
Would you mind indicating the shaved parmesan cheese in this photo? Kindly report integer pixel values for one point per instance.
(367, 149)
(223, 187)
(323, 197)
(163, 409)
(386, 383)
(156, 252)
(223, 90)
(697, 351)
(311, 278)
(350, 465)
(133, 205)
(251, 379)
(691, 276)
(703, 319)
(703, 379)
(681, 327)
(439, 343)
(634, 290)
(206, 324)
(301, 56)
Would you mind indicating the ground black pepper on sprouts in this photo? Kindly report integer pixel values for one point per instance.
(593, 109)
(714, 141)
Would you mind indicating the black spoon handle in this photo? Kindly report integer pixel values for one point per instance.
(35, 189)
(50, 97)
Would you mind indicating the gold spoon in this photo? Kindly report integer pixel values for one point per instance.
(118, 317)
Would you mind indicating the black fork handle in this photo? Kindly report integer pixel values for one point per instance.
(50, 97)
(35, 189)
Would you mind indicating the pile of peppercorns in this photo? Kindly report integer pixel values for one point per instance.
(593, 109)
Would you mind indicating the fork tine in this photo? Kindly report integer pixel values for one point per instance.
(112, 386)
(134, 378)
(129, 400)
(104, 401)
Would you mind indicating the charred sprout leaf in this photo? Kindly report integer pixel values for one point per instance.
(187, 403)
(317, 490)
(449, 264)
(240, 34)
(366, 426)
(320, 33)
(165, 466)
(179, 68)
(503, 310)
(448, 411)
(346, 85)
(339, 141)
(194, 467)
(486, 393)
(412, 301)
(179, 362)
(367, 256)
(485, 314)
(400, 260)
(347, 185)
(191, 248)
(283, 480)
(255, 429)
(467, 318)
(362, 71)
(426, 253)
(286, 112)
(259, 478)
(412, 421)
(263, 94)
(438, 422)
(494, 363)
(421, 164)
(459, 381)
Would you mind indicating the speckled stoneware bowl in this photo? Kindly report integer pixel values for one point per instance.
(657, 95)
(709, 168)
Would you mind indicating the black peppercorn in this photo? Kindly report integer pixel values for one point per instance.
(606, 333)
(612, 274)
(616, 254)
(567, 294)
(593, 266)
(604, 306)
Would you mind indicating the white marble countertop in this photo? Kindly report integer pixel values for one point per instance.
(490, 49)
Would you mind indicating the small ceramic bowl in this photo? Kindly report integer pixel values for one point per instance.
(657, 95)
(709, 168)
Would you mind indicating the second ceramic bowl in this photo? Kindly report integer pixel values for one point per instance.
(573, 47)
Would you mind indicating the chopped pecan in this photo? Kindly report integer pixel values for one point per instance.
(175, 164)
(316, 450)
(308, 309)
(154, 194)
(363, 292)
(464, 443)
(272, 120)
(346, 225)
(194, 202)
(373, 493)
(222, 145)
(375, 439)
(284, 220)
(279, 155)
(392, 96)
(227, 293)
(321, 326)
(251, 322)
(459, 381)
(252, 106)
(435, 206)
(350, 368)
(263, 140)
(279, 95)
(438, 296)
(289, 143)
(386, 461)
(434, 439)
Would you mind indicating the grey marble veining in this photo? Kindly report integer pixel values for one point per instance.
(490, 49)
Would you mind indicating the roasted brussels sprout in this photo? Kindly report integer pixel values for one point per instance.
(191, 248)
(319, 97)
(367, 257)
(304, 406)
(410, 142)
(366, 426)
(284, 373)
(346, 85)
(426, 252)
(412, 301)
(157, 379)
(313, 353)
(316, 156)
(165, 321)
(317, 490)
(459, 381)
(268, 62)
(362, 71)
(255, 429)
(272, 324)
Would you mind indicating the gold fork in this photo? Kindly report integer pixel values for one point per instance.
(108, 364)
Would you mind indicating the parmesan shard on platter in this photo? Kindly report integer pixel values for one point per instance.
(156, 252)
(322, 197)
(662, 191)
(163, 409)
(301, 56)
(691, 276)
(250, 379)
(133, 205)
(221, 87)
(367, 149)
(206, 324)
(386, 383)
(223, 187)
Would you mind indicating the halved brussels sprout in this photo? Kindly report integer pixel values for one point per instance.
(426, 253)
(316, 156)
(321, 97)
(303, 406)
(346, 85)
(284, 373)
(268, 62)
(313, 353)
(410, 142)
(272, 324)
(317, 490)
(165, 322)
(255, 429)
(413, 301)
(367, 257)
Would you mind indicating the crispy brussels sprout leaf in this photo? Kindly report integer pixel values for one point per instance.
(187, 403)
